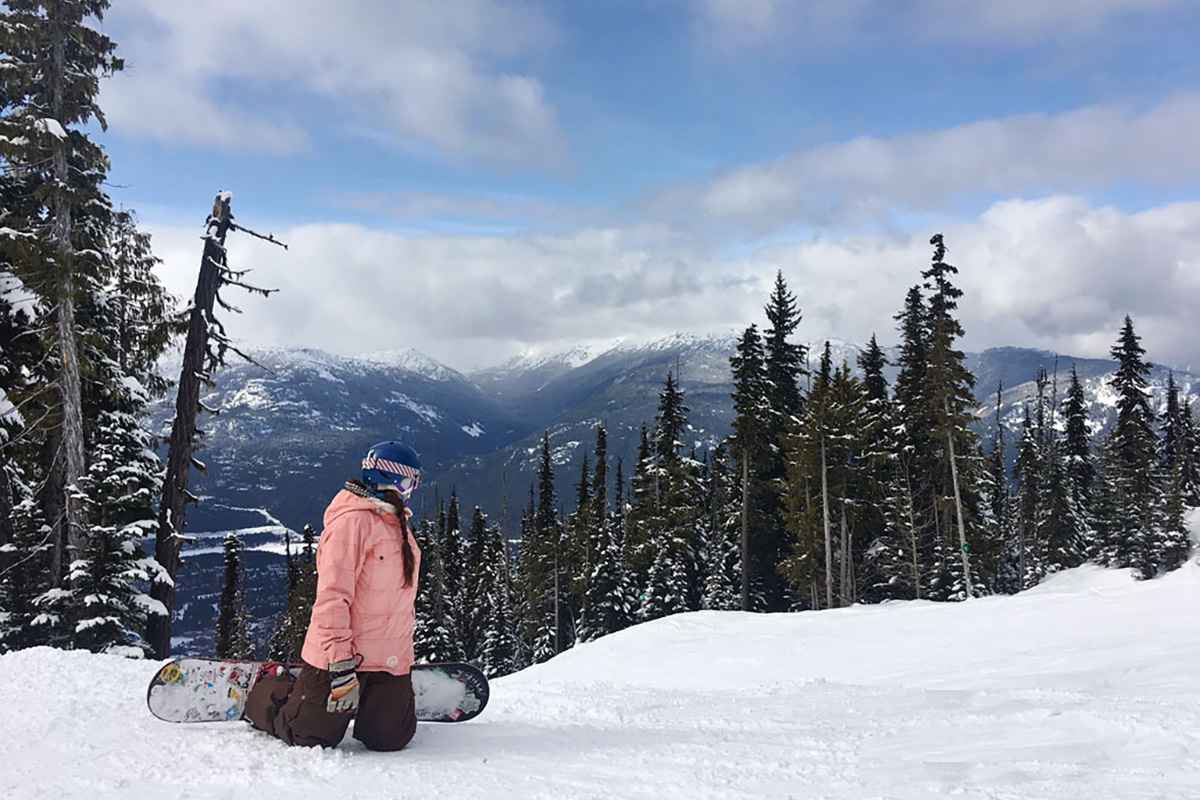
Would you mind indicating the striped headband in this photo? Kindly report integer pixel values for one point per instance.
(394, 467)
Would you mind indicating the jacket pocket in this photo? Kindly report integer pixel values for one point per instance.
(384, 570)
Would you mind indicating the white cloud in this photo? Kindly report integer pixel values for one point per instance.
(430, 73)
(1054, 273)
(870, 180)
(469, 300)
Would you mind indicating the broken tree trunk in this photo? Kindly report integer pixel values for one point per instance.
(175, 497)
(199, 361)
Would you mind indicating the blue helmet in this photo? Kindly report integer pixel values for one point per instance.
(392, 463)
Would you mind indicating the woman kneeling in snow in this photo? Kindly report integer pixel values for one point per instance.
(358, 653)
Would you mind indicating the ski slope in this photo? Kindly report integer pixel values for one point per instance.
(1085, 687)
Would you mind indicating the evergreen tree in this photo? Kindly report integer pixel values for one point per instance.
(1171, 443)
(1029, 503)
(1174, 545)
(673, 582)
(279, 646)
(434, 639)
(109, 607)
(807, 496)
(903, 553)
(477, 585)
(1077, 444)
(825, 489)
(997, 509)
(576, 549)
(1063, 528)
(54, 58)
(784, 365)
(498, 651)
(607, 597)
(1131, 523)
(950, 405)
(453, 559)
(545, 628)
(130, 326)
(875, 476)
(643, 519)
(305, 593)
(1189, 456)
(233, 640)
(750, 450)
(723, 562)
(23, 552)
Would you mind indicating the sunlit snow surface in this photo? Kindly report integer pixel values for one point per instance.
(1085, 687)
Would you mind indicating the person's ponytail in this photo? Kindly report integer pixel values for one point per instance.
(397, 502)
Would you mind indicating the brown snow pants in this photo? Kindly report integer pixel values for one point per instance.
(294, 710)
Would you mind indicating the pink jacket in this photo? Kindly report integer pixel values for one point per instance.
(362, 607)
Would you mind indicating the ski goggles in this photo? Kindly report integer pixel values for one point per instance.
(404, 486)
(407, 485)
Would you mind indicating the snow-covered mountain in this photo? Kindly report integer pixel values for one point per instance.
(291, 430)
(1083, 687)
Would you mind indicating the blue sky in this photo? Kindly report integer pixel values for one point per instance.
(531, 175)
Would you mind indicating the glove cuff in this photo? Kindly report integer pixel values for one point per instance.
(348, 666)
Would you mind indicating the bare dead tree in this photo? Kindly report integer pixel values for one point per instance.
(205, 350)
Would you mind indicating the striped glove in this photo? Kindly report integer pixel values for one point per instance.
(343, 687)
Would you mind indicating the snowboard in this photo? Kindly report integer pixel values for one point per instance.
(214, 690)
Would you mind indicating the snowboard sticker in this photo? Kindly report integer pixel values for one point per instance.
(213, 690)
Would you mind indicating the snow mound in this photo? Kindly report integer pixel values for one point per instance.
(1082, 687)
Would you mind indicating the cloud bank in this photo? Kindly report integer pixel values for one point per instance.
(1056, 273)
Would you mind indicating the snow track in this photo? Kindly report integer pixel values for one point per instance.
(1085, 687)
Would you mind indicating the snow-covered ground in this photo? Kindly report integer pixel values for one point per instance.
(1086, 687)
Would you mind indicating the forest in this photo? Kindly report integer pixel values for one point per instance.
(845, 491)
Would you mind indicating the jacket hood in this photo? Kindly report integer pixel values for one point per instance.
(345, 502)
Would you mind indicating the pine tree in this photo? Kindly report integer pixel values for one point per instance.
(1171, 443)
(606, 604)
(130, 326)
(1131, 513)
(21, 550)
(642, 521)
(673, 582)
(279, 646)
(723, 578)
(1173, 546)
(453, 558)
(498, 651)
(950, 405)
(576, 549)
(784, 365)
(997, 508)
(807, 497)
(1029, 502)
(903, 554)
(751, 451)
(109, 607)
(545, 629)
(1189, 455)
(233, 638)
(1064, 529)
(877, 476)
(53, 60)
(476, 585)
(824, 492)
(1077, 444)
(433, 640)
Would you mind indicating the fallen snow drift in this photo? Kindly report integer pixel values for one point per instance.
(1085, 687)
